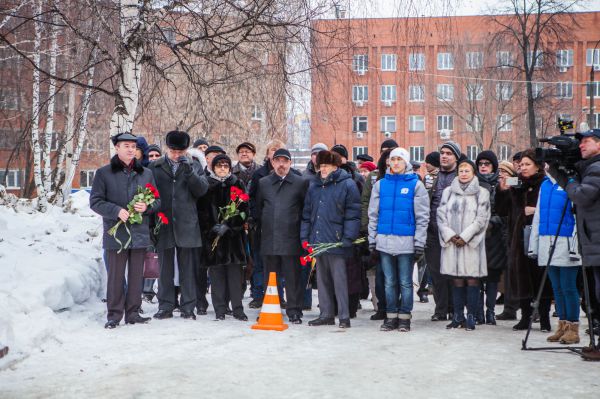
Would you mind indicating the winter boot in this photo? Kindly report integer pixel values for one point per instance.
(470, 323)
(571, 335)
(390, 324)
(562, 329)
(491, 291)
(480, 317)
(322, 321)
(472, 305)
(544, 312)
(526, 310)
(344, 323)
(379, 315)
(458, 297)
(404, 325)
(490, 318)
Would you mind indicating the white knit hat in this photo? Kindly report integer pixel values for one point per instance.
(402, 153)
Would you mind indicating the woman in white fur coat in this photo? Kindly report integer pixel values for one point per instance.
(463, 217)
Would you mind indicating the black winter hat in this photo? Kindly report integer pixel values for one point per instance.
(282, 152)
(178, 140)
(433, 158)
(117, 138)
(214, 148)
(364, 157)
(490, 156)
(467, 160)
(220, 158)
(200, 142)
(247, 145)
(328, 158)
(389, 143)
(154, 147)
(340, 149)
(517, 156)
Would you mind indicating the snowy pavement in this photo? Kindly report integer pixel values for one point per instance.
(207, 358)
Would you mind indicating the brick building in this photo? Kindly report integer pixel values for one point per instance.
(422, 81)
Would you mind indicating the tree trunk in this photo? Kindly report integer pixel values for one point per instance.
(50, 110)
(531, 114)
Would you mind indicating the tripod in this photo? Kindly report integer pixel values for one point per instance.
(536, 303)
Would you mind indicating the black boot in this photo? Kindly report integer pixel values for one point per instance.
(379, 315)
(526, 310)
(544, 312)
(472, 306)
(163, 314)
(137, 319)
(390, 324)
(322, 321)
(458, 298)
(491, 290)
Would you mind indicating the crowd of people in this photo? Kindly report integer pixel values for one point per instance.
(473, 228)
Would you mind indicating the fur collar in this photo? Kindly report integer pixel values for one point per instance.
(117, 166)
(472, 188)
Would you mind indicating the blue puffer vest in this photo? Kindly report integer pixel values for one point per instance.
(552, 203)
(396, 205)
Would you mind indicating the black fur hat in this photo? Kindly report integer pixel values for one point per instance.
(329, 158)
(177, 140)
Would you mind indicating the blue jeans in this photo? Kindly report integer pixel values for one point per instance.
(398, 271)
(566, 295)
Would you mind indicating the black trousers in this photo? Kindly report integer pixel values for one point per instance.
(442, 286)
(187, 279)
(225, 286)
(201, 274)
(117, 301)
(288, 267)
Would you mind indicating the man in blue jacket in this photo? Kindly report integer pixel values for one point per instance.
(331, 214)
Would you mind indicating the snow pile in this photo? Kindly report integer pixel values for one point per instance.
(48, 263)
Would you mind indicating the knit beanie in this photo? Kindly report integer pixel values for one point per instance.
(490, 156)
(402, 153)
(454, 147)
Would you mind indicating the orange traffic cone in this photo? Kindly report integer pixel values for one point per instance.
(270, 314)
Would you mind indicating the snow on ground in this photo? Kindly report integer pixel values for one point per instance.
(52, 317)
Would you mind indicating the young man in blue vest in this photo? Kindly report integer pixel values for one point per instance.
(398, 220)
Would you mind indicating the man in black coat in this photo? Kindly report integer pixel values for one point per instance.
(113, 188)
(180, 181)
(279, 209)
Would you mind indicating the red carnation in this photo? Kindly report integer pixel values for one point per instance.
(310, 250)
(163, 218)
(233, 196)
(302, 261)
(305, 245)
(244, 197)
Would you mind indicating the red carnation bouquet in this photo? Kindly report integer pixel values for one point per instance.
(147, 195)
(237, 197)
(315, 250)
(161, 219)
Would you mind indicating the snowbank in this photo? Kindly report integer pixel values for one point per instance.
(48, 263)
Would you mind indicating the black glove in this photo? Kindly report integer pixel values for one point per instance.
(346, 243)
(186, 164)
(419, 252)
(220, 229)
(373, 258)
(372, 246)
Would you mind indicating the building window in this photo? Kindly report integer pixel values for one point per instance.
(595, 121)
(360, 93)
(537, 61)
(388, 62)
(9, 98)
(417, 153)
(359, 123)
(504, 91)
(473, 123)
(505, 123)
(592, 88)
(472, 151)
(388, 93)
(503, 152)
(360, 63)
(445, 92)
(10, 180)
(592, 57)
(564, 90)
(537, 90)
(356, 151)
(474, 91)
(564, 58)
(388, 123)
(257, 114)
(474, 60)
(416, 61)
(504, 59)
(416, 93)
(445, 122)
(416, 123)
(445, 61)
(86, 177)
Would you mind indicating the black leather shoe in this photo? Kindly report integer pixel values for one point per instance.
(241, 316)
(137, 319)
(379, 315)
(163, 314)
(523, 324)
(228, 312)
(111, 324)
(188, 315)
(345, 323)
(322, 322)
(423, 298)
(438, 317)
(201, 312)
(255, 304)
(295, 319)
(221, 317)
(506, 316)
(390, 324)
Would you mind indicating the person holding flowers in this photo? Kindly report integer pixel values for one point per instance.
(223, 212)
(398, 220)
(181, 182)
(123, 194)
(331, 215)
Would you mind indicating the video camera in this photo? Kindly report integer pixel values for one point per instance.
(566, 151)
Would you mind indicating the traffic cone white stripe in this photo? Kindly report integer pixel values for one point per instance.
(271, 291)
(269, 308)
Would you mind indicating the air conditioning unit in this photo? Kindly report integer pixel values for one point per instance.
(360, 135)
(562, 69)
(596, 67)
(445, 134)
(361, 72)
(387, 134)
(359, 103)
(387, 103)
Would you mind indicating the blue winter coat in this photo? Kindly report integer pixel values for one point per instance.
(332, 212)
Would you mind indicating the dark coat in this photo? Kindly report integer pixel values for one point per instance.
(231, 247)
(279, 209)
(332, 212)
(243, 173)
(525, 275)
(179, 195)
(584, 191)
(113, 187)
(350, 167)
(261, 172)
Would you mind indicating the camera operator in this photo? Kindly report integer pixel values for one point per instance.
(583, 188)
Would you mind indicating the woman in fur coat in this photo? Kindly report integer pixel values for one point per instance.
(463, 216)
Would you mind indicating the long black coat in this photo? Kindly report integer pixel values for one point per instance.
(179, 195)
(231, 247)
(525, 275)
(279, 211)
(495, 242)
(113, 187)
